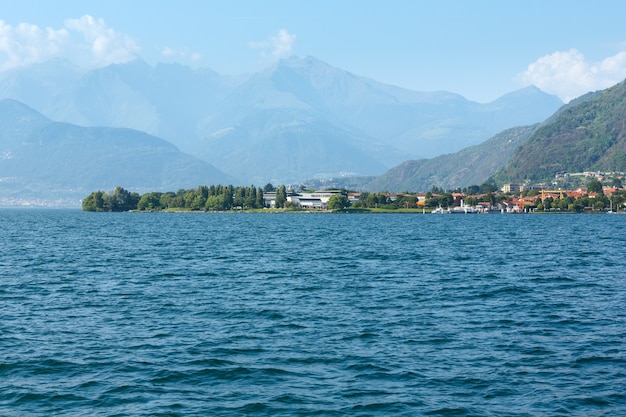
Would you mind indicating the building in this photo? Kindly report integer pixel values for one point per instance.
(317, 200)
(511, 188)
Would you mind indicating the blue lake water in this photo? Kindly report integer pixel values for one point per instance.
(128, 314)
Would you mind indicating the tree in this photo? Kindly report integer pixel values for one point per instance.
(116, 200)
(149, 201)
(239, 197)
(595, 186)
(94, 201)
(215, 202)
(473, 189)
(260, 203)
(578, 206)
(617, 182)
(487, 188)
(227, 194)
(445, 200)
(371, 200)
(338, 202)
(166, 199)
(123, 200)
(598, 205)
(547, 203)
(281, 196)
(250, 199)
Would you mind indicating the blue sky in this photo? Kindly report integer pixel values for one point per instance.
(479, 49)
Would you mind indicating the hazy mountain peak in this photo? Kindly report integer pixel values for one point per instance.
(531, 92)
(305, 61)
(19, 111)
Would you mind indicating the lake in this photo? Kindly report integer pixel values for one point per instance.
(178, 314)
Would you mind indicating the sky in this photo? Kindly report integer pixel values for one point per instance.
(481, 49)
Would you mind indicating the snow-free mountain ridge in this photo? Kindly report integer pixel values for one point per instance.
(300, 118)
(42, 160)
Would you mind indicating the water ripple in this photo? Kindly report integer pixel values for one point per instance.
(367, 315)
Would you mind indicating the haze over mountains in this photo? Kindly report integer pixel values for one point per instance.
(299, 119)
(42, 160)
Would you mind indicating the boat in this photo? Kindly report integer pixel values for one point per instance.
(464, 209)
(440, 210)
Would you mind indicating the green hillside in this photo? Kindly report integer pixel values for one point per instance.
(587, 135)
(470, 166)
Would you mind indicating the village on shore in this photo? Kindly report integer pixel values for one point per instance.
(595, 196)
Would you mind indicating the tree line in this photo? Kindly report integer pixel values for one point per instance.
(207, 198)
(227, 197)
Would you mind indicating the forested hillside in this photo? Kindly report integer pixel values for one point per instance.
(588, 135)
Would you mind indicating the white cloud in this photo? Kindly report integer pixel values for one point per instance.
(85, 41)
(277, 46)
(180, 53)
(107, 45)
(569, 75)
(282, 43)
(25, 44)
(170, 52)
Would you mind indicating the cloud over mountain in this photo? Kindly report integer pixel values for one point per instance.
(86, 41)
(569, 74)
(278, 46)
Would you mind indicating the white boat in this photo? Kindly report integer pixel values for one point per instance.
(464, 209)
(440, 210)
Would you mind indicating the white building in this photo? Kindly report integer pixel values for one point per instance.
(317, 200)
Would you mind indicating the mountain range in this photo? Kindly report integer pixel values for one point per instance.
(587, 134)
(298, 119)
(65, 133)
(42, 160)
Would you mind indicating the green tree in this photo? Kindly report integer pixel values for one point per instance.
(227, 194)
(166, 199)
(578, 206)
(94, 201)
(487, 188)
(239, 197)
(281, 196)
(547, 203)
(215, 202)
(445, 200)
(149, 201)
(598, 205)
(473, 190)
(338, 202)
(594, 186)
(250, 198)
(371, 200)
(123, 200)
(260, 202)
